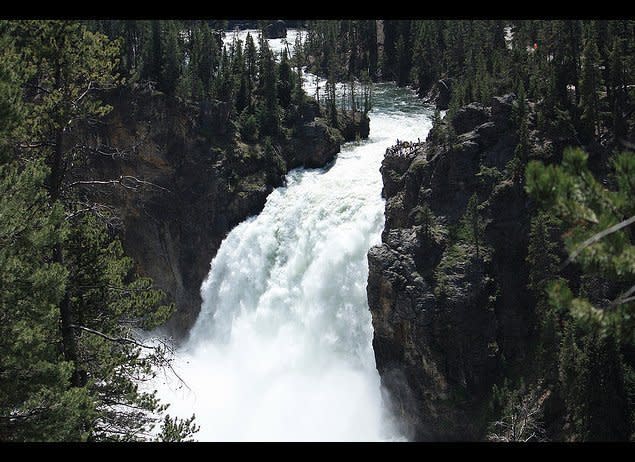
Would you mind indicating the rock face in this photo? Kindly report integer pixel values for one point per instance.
(445, 320)
(198, 182)
(276, 30)
(354, 126)
(439, 94)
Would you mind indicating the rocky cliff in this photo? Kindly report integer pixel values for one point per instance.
(448, 318)
(186, 180)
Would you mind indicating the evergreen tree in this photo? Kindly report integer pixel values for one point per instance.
(153, 52)
(542, 252)
(423, 217)
(36, 403)
(543, 261)
(285, 81)
(472, 225)
(74, 343)
(604, 406)
(170, 59)
(269, 113)
(589, 87)
(250, 68)
(523, 148)
(596, 237)
(616, 90)
(206, 56)
(570, 366)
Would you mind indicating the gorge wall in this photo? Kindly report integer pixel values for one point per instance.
(448, 319)
(198, 181)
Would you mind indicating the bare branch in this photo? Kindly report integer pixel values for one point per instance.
(624, 298)
(127, 181)
(596, 237)
(90, 84)
(112, 339)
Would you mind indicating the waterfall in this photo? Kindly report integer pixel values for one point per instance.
(282, 348)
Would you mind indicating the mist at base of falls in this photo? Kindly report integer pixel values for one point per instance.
(282, 348)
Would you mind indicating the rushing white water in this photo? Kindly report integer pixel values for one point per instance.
(276, 45)
(282, 348)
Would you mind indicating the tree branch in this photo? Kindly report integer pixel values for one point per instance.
(112, 339)
(624, 298)
(127, 181)
(596, 237)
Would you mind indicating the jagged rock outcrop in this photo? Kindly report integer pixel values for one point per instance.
(445, 318)
(438, 94)
(198, 182)
(354, 125)
(275, 30)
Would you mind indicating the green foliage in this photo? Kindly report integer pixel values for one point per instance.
(35, 403)
(177, 431)
(248, 127)
(564, 66)
(285, 81)
(590, 82)
(593, 385)
(422, 216)
(489, 176)
(268, 111)
(170, 60)
(458, 272)
(542, 253)
(71, 305)
(472, 226)
(588, 209)
(591, 365)
(520, 411)
(437, 134)
(455, 259)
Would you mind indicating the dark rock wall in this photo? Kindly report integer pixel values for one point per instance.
(439, 349)
(204, 182)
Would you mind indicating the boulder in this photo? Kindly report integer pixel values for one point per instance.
(487, 134)
(439, 94)
(469, 117)
(444, 87)
(502, 108)
(276, 30)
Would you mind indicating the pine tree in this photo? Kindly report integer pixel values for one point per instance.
(542, 252)
(269, 115)
(285, 81)
(152, 52)
(70, 337)
(36, 403)
(170, 59)
(472, 225)
(207, 52)
(604, 404)
(523, 148)
(618, 95)
(589, 86)
(250, 69)
(570, 366)
(543, 261)
(423, 217)
(594, 220)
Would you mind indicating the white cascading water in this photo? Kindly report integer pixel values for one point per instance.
(282, 348)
